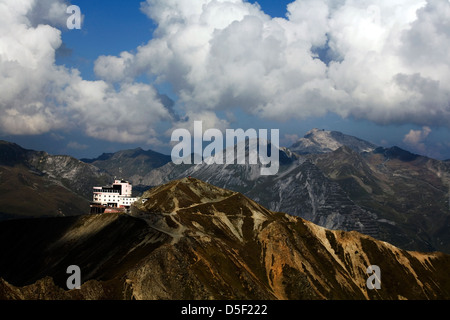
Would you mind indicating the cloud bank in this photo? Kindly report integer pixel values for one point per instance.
(387, 61)
(38, 96)
(384, 61)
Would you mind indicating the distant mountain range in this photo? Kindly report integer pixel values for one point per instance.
(131, 164)
(343, 183)
(192, 240)
(36, 184)
(334, 180)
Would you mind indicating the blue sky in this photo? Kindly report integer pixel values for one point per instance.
(414, 114)
(113, 26)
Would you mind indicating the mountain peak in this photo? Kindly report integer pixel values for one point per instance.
(314, 131)
(188, 198)
(11, 153)
(182, 193)
(323, 141)
(397, 153)
(130, 163)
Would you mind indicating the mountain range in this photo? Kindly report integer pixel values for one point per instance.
(131, 164)
(334, 180)
(188, 239)
(408, 193)
(342, 183)
(34, 183)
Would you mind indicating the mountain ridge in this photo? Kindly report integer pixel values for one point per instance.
(129, 163)
(354, 191)
(217, 245)
(407, 192)
(345, 194)
(34, 183)
(323, 141)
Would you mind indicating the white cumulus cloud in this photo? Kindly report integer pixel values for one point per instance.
(387, 61)
(38, 96)
(416, 138)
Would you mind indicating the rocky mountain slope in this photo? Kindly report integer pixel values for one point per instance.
(299, 188)
(192, 240)
(130, 164)
(323, 141)
(27, 193)
(407, 192)
(34, 183)
(389, 194)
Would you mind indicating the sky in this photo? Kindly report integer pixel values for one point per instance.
(137, 70)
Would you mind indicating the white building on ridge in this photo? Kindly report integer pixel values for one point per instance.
(114, 198)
